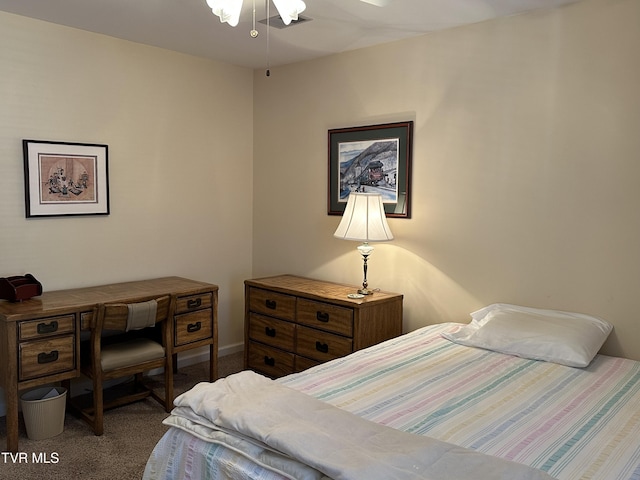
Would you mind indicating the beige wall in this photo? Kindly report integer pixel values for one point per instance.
(179, 131)
(525, 170)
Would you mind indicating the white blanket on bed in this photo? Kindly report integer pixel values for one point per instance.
(262, 419)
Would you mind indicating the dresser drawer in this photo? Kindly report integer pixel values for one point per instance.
(190, 303)
(277, 333)
(44, 327)
(302, 363)
(192, 327)
(269, 361)
(325, 316)
(39, 358)
(272, 303)
(321, 346)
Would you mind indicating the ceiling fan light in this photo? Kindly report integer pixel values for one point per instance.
(227, 10)
(378, 3)
(289, 9)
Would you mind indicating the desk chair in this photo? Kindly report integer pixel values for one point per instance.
(127, 339)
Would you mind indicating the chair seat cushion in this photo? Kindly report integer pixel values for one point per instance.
(130, 352)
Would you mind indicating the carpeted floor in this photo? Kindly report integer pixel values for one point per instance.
(130, 433)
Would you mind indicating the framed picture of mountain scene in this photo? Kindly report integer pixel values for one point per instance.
(374, 159)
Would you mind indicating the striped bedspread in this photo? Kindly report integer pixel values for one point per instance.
(571, 423)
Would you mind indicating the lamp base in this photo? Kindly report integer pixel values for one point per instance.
(365, 250)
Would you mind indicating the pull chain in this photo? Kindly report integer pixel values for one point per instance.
(268, 72)
(254, 33)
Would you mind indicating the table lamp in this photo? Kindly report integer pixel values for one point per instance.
(364, 220)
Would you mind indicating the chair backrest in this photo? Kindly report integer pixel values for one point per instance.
(113, 316)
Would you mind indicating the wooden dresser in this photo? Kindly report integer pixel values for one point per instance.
(40, 337)
(293, 323)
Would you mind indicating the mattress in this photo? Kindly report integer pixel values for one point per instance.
(572, 423)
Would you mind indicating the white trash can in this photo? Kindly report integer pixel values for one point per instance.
(43, 410)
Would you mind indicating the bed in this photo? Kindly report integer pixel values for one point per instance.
(571, 414)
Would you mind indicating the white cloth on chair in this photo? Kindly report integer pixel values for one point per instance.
(142, 315)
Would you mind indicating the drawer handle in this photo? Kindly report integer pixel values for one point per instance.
(194, 327)
(271, 304)
(270, 332)
(48, 357)
(322, 316)
(322, 347)
(48, 327)
(194, 303)
(269, 361)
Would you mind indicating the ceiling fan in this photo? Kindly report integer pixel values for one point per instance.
(229, 10)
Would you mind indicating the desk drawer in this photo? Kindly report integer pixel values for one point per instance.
(325, 316)
(194, 302)
(321, 346)
(269, 361)
(276, 333)
(272, 303)
(40, 358)
(192, 327)
(44, 327)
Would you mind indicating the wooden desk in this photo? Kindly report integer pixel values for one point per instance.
(40, 337)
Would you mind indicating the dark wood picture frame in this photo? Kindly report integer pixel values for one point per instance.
(373, 158)
(63, 178)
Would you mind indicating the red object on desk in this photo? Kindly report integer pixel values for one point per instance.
(18, 288)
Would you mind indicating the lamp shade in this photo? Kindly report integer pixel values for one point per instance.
(364, 219)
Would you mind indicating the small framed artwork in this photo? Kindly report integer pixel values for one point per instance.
(64, 178)
(375, 159)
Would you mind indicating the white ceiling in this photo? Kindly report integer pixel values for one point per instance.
(335, 25)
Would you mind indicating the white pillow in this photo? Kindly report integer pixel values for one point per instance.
(568, 338)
